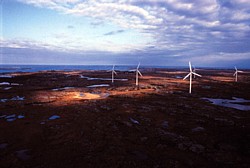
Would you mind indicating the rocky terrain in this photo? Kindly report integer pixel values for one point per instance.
(56, 119)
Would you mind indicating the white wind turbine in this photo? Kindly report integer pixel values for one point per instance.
(113, 73)
(191, 73)
(236, 74)
(194, 70)
(137, 73)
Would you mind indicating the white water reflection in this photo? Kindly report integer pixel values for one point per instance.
(101, 85)
(232, 103)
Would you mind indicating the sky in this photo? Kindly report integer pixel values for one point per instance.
(209, 33)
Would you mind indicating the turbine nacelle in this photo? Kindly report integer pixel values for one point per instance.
(190, 76)
(137, 72)
(236, 74)
(113, 73)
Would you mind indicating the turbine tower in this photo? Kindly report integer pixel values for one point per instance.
(236, 74)
(137, 73)
(190, 74)
(194, 70)
(113, 73)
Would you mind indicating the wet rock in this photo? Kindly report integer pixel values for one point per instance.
(23, 154)
(161, 146)
(224, 121)
(54, 117)
(140, 155)
(3, 145)
(197, 148)
(198, 129)
(165, 124)
(127, 123)
(143, 139)
(172, 137)
(134, 121)
(184, 145)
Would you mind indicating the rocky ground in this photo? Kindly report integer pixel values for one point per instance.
(59, 119)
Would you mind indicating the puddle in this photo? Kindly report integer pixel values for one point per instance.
(20, 116)
(101, 85)
(6, 76)
(12, 117)
(15, 84)
(17, 98)
(206, 87)
(3, 100)
(232, 103)
(105, 79)
(4, 83)
(64, 88)
(54, 117)
(8, 83)
(178, 77)
(7, 88)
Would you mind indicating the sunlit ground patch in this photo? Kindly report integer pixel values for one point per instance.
(103, 79)
(89, 96)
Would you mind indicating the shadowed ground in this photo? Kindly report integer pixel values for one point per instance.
(53, 119)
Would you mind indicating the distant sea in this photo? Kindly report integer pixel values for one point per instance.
(4, 68)
(37, 68)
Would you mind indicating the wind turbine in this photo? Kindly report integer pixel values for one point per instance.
(236, 74)
(137, 73)
(194, 70)
(113, 73)
(190, 75)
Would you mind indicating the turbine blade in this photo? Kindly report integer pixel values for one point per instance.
(138, 65)
(190, 66)
(113, 67)
(186, 76)
(114, 72)
(132, 70)
(235, 73)
(196, 74)
(240, 71)
(139, 72)
(235, 68)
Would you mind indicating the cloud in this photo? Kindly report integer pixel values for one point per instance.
(70, 27)
(194, 26)
(113, 32)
